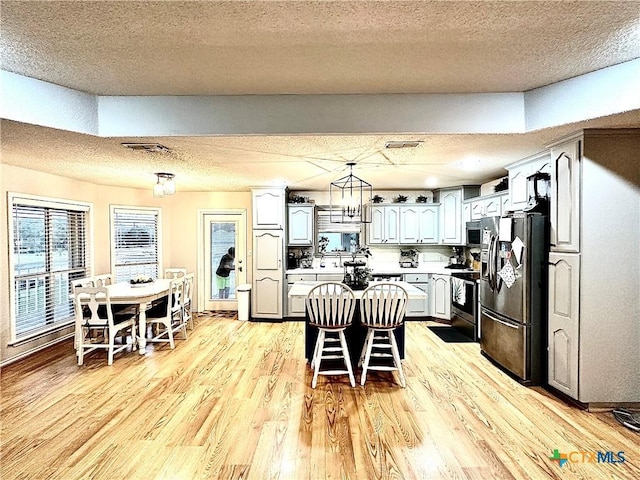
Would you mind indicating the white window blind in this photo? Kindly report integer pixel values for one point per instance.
(49, 249)
(134, 242)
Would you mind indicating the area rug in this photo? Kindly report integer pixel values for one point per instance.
(450, 335)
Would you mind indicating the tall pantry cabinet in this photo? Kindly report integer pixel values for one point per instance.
(268, 253)
(594, 267)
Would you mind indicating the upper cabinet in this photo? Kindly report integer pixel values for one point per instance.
(419, 224)
(268, 208)
(385, 224)
(518, 173)
(493, 205)
(301, 221)
(454, 213)
(565, 200)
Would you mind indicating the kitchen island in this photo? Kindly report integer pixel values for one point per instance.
(356, 333)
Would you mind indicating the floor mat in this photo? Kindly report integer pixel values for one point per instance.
(450, 335)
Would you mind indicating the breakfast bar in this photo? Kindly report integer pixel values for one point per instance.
(356, 333)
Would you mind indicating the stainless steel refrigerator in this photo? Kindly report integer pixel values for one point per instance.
(513, 293)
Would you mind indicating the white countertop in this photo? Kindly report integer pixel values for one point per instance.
(302, 289)
(381, 267)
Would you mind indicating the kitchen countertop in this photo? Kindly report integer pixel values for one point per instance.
(378, 268)
(301, 289)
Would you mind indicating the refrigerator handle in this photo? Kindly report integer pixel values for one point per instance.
(486, 314)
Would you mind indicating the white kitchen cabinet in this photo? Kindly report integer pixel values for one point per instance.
(441, 296)
(518, 173)
(466, 213)
(385, 224)
(565, 202)
(505, 204)
(593, 286)
(492, 206)
(477, 209)
(300, 225)
(451, 217)
(564, 320)
(296, 305)
(419, 224)
(268, 208)
(268, 274)
(418, 307)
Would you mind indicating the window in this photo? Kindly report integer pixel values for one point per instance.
(48, 239)
(134, 242)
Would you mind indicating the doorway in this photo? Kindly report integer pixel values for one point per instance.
(222, 258)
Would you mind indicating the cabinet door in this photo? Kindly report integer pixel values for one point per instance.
(392, 224)
(376, 227)
(518, 186)
(410, 225)
(301, 225)
(505, 204)
(429, 224)
(419, 307)
(466, 214)
(296, 305)
(441, 297)
(477, 209)
(451, 217)
(565, 199)
(268, 274)
(493, 207)
(564, 320)
(268, 208)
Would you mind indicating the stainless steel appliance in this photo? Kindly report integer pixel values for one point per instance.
(473, 233)
(464, 303)
(513, 293)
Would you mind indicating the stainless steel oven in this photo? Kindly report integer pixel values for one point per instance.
(464, 303)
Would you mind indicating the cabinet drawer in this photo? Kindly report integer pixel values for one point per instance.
(301, 277)
(330, 277)
(416, 277)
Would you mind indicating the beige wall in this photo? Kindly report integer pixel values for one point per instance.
(179, 229)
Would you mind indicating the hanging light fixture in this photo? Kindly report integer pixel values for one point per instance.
(350, 199)
(165, 184)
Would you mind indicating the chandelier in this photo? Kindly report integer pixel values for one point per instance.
(350, 199)
(165, 185)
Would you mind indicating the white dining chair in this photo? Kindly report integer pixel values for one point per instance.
(330, 306)
(382, 309)
(100, 328)
(187, 300)
(167, 316)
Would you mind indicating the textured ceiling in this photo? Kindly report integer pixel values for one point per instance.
(306, 47)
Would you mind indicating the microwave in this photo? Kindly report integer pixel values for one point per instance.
(473, 235)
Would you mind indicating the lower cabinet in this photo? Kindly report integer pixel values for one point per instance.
(564, 282)
(441, 296)
(296, 306)
(418, 307)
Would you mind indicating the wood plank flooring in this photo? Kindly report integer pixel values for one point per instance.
(234, 401)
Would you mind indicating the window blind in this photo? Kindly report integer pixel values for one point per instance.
(49, 250)
(134, 242)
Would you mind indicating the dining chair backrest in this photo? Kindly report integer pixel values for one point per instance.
(95, 315)
(330, 305)
(176, 296)
(383, 305)
(172, 273)
(187, 294)
(82, 283)
(103, 280)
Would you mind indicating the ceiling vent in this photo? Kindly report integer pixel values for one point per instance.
(402, 144)
(147, 147)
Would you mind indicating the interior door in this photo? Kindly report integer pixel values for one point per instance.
(224, 259)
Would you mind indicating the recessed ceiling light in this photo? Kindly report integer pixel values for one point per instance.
(431, 182)
(402, 144)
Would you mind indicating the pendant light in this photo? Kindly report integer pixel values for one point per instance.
(350, 199)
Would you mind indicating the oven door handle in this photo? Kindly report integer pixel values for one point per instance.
(484, 312)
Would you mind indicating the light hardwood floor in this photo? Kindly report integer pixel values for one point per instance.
(234, 401)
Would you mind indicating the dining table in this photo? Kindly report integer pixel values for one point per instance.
(142, 294)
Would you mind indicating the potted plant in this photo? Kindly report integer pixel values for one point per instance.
(400, 199)
(422, 199)
(377, 199)
(322, 248)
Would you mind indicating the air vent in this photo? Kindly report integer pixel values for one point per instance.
(402, 144)
(147, 147)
